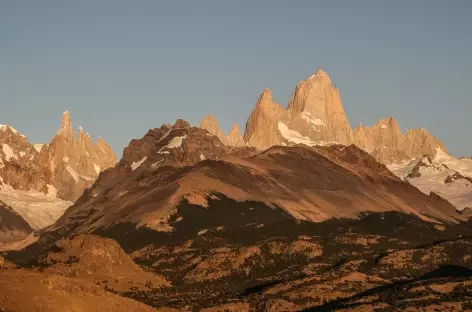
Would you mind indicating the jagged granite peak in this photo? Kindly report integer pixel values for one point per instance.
(234, 137)
(262, 125)
(65, 130)
(210, 124)
(75, 164)
(318, 102)
(315, 115)
(49, 176)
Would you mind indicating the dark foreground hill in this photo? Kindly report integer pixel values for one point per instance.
(12, 225)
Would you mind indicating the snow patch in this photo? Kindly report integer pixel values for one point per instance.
(9, 153)
(65, 159)
(202, 157)
(38, 147)
(293, 136)
(135, 165)
(73, 173)
(383, 127)
(22, 154)
(202, 232)
(52, 191)
(312, 120)
(176, 142)
(96, 168)
(297, 138)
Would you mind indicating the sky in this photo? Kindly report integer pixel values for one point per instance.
(123, 67)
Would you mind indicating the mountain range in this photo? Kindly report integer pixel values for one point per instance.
(299, 213)
(315, 116)
(39, 181)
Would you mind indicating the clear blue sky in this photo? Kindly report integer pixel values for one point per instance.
(122, 67)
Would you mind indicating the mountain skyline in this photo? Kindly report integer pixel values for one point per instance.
(218, 57)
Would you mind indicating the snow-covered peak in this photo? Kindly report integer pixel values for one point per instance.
(445, 175)
(38, 147)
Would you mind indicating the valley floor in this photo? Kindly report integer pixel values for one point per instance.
(380, 262)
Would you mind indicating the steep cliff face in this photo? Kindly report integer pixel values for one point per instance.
(234, 137)
(419, 142)
(318, 103)
(262, 127)
(75, 164)
(210, 124)
(384, 140)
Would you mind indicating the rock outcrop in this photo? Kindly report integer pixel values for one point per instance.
(98, 259)
(234, 137)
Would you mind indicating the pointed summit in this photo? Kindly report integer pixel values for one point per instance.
(262, 125)
(265, 99)
(210, 124)
(65, 130)
(317, 99)
(321, 75)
